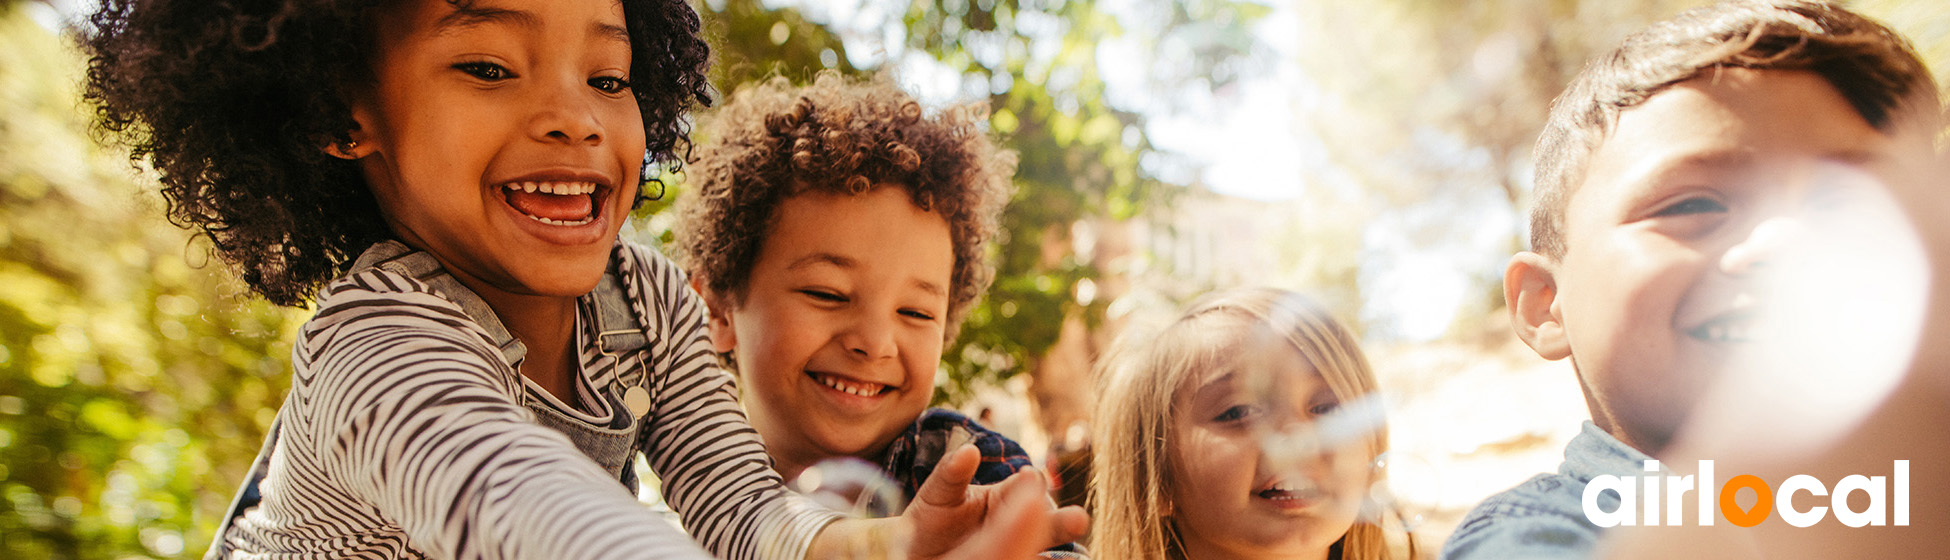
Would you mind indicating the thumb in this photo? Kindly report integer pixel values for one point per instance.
(947, 486)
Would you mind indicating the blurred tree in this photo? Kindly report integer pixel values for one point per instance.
(134, 387)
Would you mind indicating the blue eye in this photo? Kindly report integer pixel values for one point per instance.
(1697, 205)
(1236, 413)
(1324, 409)
(485, 70)
(610, 84)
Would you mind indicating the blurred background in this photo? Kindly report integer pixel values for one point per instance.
(1372, 154)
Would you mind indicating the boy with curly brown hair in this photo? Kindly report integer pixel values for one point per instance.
(839, 236)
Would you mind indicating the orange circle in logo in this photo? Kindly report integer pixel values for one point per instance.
(1762, 506)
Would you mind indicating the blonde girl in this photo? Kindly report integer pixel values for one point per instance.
(1219, 437)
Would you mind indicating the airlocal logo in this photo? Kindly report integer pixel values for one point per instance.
(1722, 503)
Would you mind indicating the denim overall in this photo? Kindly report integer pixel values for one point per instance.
(608, 436)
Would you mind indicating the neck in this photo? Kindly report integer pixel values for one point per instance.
(545, 325)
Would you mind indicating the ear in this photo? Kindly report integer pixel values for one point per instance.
(1530, 292)
(724, 335)
(359, 143)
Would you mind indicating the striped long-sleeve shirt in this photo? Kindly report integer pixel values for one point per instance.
(405, 435)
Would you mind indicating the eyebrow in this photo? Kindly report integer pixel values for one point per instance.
(1223, 379)
(846, 262)
(827, 258)
(1712, 159)
(616, 32)
(469, 17)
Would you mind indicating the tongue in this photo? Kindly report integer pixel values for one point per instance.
(567, 208)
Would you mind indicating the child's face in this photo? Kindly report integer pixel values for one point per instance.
(1229, 497)
(1696, 193)
(840, 328)
(472, 109)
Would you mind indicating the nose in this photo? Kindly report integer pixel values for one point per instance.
(1764, 243)
(870, 338)
(565, 115)
(1292, 442)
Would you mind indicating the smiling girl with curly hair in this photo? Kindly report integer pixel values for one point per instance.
(444, 180)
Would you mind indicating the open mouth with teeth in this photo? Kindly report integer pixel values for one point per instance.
(1737, 328)
(849, 386)
(567, 203)
(1290, 494)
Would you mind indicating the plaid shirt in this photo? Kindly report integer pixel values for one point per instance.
(912, 456)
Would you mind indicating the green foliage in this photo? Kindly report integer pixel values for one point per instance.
(133, 388)
(1079, 157)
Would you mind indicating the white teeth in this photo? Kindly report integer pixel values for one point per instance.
(844, 386)
(1731, 332)
(553, 222)
(554, 188)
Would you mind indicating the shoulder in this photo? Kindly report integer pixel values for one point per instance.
(376, 320)
(654, 283)
(1542, 517)
(377, 297)
(640, 262)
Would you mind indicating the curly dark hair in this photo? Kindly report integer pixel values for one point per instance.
(1872, 67)
(839, 135)
(233, 102)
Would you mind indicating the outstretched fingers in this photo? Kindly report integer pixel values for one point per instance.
(1019, 524)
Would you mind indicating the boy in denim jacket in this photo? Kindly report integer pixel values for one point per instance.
(1670, 172)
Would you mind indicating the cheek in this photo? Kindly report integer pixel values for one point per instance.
(921, 357)
(1353, 472)
(1207, 463)
(772, 345)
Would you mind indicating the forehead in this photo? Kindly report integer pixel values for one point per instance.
(1252, 360)
(1753, 120)
(439, 19)
(878, 229)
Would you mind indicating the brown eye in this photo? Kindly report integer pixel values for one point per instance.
(487, 71)
(824, 296)
(610, 85)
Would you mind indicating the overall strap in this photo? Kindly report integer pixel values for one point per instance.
(420, 265)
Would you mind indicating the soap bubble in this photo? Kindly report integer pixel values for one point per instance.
(852, 486)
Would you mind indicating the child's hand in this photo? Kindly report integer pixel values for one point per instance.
(1014, 519)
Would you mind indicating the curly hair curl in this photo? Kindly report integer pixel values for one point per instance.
(773, 141)
(233, 102)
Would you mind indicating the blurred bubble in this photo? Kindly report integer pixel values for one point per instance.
(852, 486)
(1404, 492)
(1840, 293)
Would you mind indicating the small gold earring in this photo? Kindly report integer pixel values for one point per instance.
(349, 146)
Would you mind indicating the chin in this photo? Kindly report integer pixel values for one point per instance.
(565, 279)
